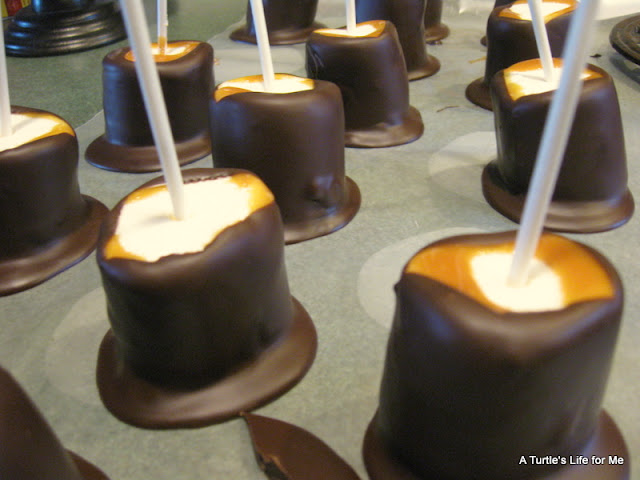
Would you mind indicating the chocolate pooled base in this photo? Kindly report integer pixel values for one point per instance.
(30, 448)
(509, 41)
(287, 22)
(467, 392)
(372, 76)
(434, 29)
(127, 144)
(47, 224)
(381, 464)
(591, 193)
(199, 338)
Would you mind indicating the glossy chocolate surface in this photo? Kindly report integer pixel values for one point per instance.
(466, 391)
(185, 323)
(382, 464)
(288, 452)
(172, 317)
(252, 384)
(30, 448)
(591, 191)
(372, 77)
(408, 18)
(47, 224)
(295, 143)
(509, 41)
(128, 145)
(434, 29)
(287, 22)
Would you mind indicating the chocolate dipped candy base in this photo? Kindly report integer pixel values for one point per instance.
(434, 29)
(287, 22)
(30, 448)
(591, 193)
(187, 82)
(469, 390)
(382, 464)
(372, 76)
(512, 40)
(408, 18)
(295, 143)
(47, 224)
(198, 338)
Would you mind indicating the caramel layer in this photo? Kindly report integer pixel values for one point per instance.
(571, 5)
(378, 26)
(163, 54)
(582, 276)
(224, 91)
(516, 90)
(260, 197)
(21, 128)
(60, 127)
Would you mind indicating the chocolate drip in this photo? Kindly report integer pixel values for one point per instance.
(287, 452)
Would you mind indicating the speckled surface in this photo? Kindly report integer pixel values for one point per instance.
(411, 195)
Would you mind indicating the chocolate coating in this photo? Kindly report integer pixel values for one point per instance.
(372, 77)
(46, 224)
(408, 18)
(434, 29)
(509, 41)
(288, 22)
(295, 143)
(287, 452)
(128, 145)
(384, 465)
(467, 391)
(186, 327)
(186, 320)
(591, 191)
(30, 448)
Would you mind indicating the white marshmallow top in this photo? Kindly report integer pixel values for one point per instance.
(548, 8)
(543, 291)
(175, 49)
(29, 127)
(283, 84)
(147, 229)
(532, 81)
(361, 30)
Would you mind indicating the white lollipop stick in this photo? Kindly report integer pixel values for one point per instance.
(554, 139)
(138, 33)
(163, 25)
(542, 38)
(351, 16)
(5, 103)
(264, 49)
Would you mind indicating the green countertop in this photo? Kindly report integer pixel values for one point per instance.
(411, 195)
